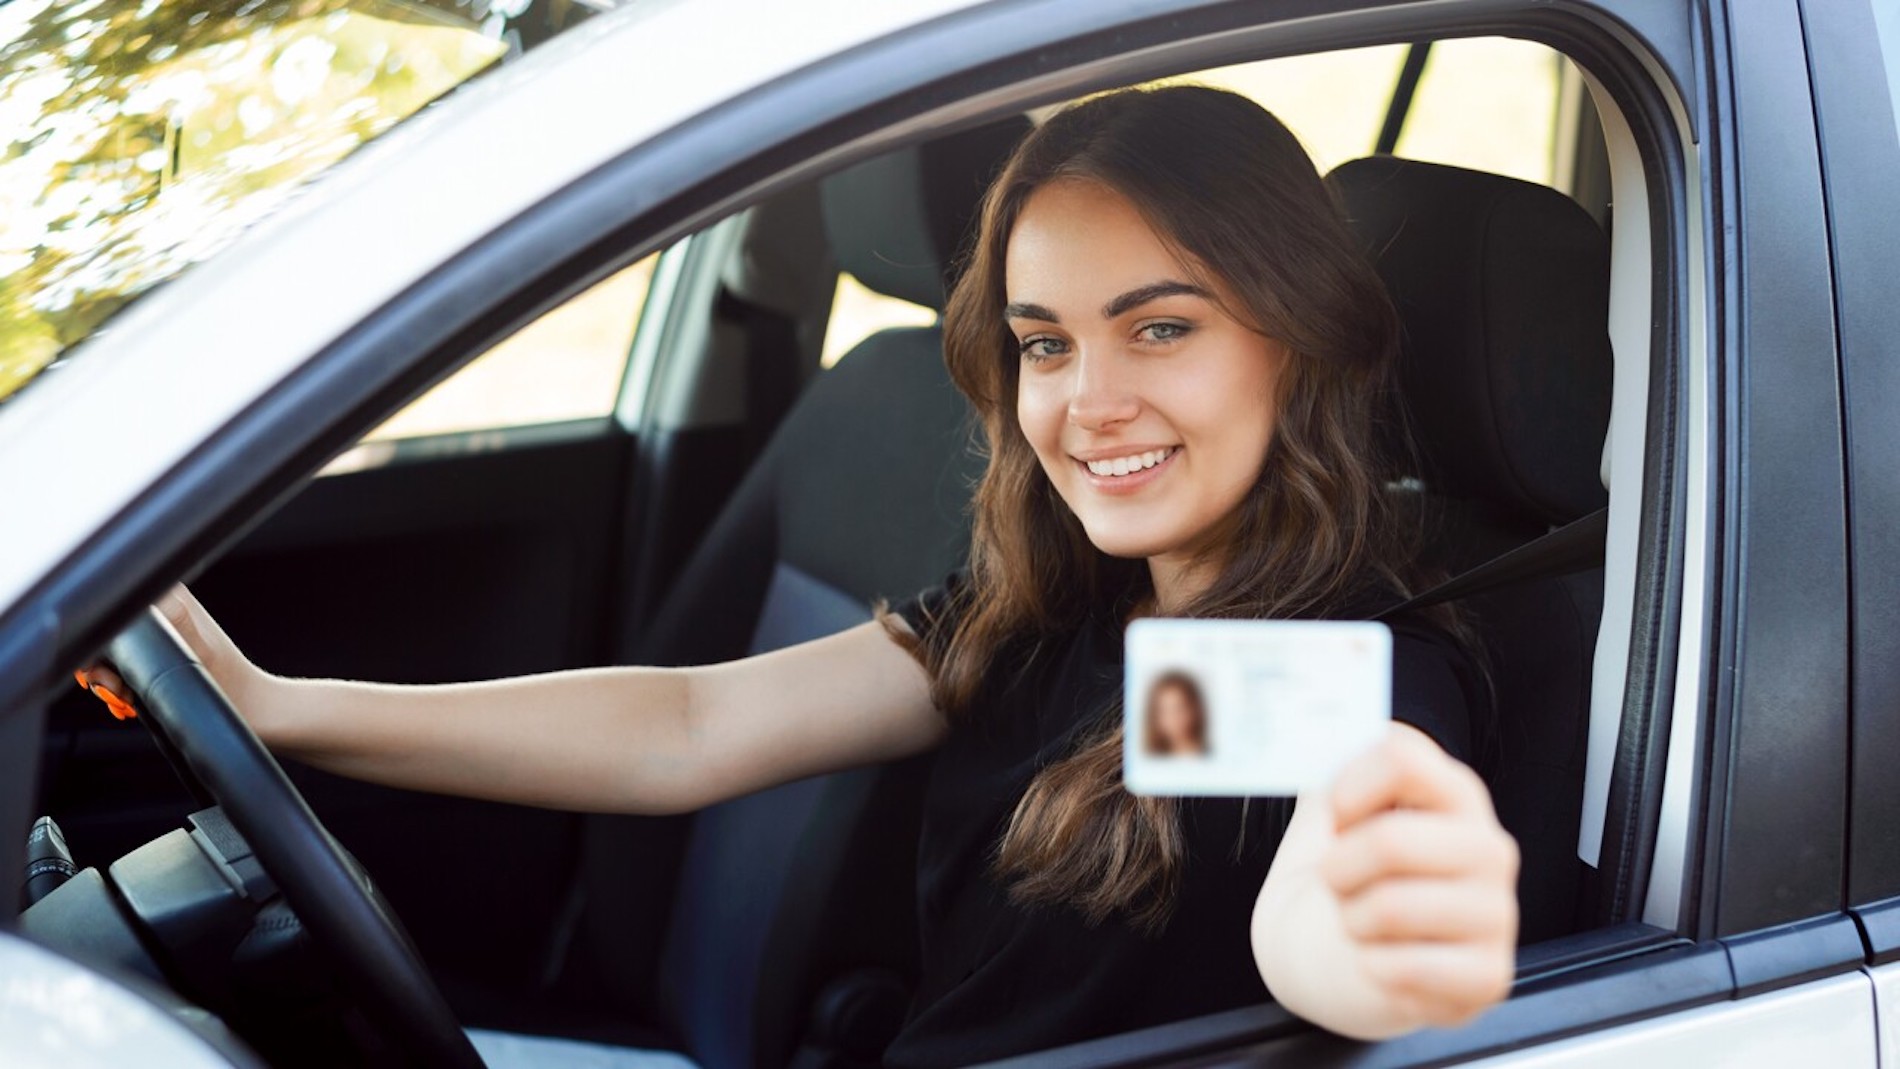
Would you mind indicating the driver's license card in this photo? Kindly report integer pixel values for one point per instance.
(1250, 707)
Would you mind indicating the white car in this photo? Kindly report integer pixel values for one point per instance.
(674, 266)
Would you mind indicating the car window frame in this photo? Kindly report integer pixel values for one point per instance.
(1861, 153)
(1777, 746)
(568, 242)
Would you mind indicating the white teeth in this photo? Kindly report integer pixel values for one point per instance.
(1126, 465)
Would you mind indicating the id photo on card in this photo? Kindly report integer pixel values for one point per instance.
(1174, 716)
(1250, 707)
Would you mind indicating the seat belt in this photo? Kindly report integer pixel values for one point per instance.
(1574, 547)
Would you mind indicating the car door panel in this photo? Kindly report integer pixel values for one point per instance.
(1855, 110)
(472, 564)
(1856, 99)
(1646, 996)
(1886, 981)
(465, 567)
(1828, 1022)
(1777, 825)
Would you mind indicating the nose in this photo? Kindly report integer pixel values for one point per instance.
(1101, 397)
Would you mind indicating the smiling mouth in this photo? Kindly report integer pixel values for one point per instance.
(1134, 463)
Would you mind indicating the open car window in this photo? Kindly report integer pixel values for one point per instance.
(1497, 104)
(1486, 103)
(150, 135)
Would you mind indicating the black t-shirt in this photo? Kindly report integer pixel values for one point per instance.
(1000, 979)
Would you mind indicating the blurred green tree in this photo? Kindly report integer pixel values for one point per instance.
(145, 134)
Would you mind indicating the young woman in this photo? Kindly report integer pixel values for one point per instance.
(1180, 358)
(1174, 721)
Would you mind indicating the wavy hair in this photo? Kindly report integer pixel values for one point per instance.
(1228, 187)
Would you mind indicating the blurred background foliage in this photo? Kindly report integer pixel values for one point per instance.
(144, 134)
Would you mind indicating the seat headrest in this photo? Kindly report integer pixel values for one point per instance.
(1503, 290)
(898, 220)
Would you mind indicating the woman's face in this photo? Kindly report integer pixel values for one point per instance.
(1180, 725)
(1149, 407)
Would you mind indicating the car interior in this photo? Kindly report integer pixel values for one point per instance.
(744, 497)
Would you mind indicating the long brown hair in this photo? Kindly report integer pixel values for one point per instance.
(1229, 188)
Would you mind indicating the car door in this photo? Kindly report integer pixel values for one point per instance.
(1726, 941)
(1725, 818)
(1725, 823)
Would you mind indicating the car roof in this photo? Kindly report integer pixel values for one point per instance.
(85, 440)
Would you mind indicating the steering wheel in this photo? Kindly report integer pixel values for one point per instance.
(338, 905)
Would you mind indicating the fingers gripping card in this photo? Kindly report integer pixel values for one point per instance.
(1250, 707)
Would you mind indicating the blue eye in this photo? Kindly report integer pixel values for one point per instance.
(1040, 347)
(1164, 332)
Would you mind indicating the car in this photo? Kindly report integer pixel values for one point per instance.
(673, 265)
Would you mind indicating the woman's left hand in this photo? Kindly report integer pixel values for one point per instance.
(1426, 881)
(1396, 908)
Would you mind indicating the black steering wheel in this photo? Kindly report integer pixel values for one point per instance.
(338, 905)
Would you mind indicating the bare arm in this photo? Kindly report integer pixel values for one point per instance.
(635, 740)
(1391, 904)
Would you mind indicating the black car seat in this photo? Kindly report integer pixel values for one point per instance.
(1503, 290)
(792, 924)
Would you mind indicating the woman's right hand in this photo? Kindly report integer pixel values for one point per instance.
(242, 681)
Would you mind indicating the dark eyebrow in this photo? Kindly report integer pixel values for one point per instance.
(1153, 291)
(1030, 311)
(1134, 298)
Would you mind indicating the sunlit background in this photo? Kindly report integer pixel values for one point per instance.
(149, 134)
(156, 132)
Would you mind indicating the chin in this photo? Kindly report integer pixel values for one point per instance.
(1129, 545)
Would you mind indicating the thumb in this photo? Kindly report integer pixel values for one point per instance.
(176, 604)
(196, 628)
(1405, 771)
(195, 625)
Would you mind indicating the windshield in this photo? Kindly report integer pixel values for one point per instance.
(148, 134)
